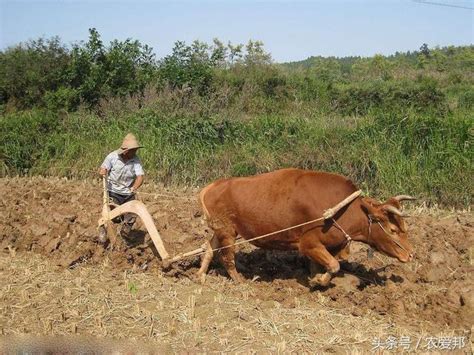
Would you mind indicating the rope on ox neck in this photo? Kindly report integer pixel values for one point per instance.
(390, 235)
(347, 236)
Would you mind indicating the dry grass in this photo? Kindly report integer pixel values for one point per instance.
(40, 298)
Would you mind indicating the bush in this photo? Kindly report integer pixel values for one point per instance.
(62, 99)
(358, 99)
(29, 70)
(26, 136)
(466, 99)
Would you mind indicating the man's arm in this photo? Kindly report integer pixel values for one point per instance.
(137, 183)
(106, 165)
(140, 176)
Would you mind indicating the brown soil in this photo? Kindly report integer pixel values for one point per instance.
(274, 311)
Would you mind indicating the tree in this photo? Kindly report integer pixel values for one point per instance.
(256, 54)
(31, 69)
(235, 53)
(189, 66)
(124, 68)
(425, 50)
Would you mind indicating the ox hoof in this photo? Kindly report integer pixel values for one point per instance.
(239, 279)
(199, 278)
(320, 280)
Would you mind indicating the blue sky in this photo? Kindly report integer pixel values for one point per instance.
(291, 30)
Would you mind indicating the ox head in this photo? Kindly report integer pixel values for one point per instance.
(387, 230)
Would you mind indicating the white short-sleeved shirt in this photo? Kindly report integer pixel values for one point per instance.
(122, 174)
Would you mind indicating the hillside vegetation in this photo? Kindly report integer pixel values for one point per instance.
(402, 123)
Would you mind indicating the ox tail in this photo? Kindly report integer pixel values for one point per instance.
(202, 194)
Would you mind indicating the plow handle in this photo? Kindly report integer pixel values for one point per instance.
(106, 193)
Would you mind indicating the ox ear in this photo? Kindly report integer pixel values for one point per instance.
(373, 209)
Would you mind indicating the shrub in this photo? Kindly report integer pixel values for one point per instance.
(26, 136)
(466, 99)
(62, 99)
(29, 70)
(360, 98)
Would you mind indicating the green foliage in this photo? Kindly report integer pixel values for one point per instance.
(25, 137)
(62, 99)
(357, 99)
(189, 66)
(132, 288)
(256, 55)
(44, 73)
(96, 72)
(466, 99)
(394, 124)
(29, 70)
(195, 66)
(384, 153)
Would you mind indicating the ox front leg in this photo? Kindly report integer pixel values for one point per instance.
(320, 255)
(343, 257)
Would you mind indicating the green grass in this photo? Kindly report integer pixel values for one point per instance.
(384, 153)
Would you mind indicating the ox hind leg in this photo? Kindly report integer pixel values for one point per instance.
(207, 258)
(228, 254)
(225, 236)
(317, 252)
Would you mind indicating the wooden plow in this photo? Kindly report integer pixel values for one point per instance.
(138, 208)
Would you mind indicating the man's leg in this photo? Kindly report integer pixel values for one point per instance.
(129, 219)
(116, 199)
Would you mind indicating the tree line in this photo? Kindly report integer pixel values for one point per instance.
(393, 124)
(47, 73)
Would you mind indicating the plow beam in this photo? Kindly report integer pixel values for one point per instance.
(139, 209)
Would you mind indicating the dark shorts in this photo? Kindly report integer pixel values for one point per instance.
(119, 199)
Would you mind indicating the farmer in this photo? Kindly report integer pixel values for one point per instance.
(125, 175)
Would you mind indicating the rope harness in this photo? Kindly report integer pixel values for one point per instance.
(347, 236)
(337, 225)
(390, 235)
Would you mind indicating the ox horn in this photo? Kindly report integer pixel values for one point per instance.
(400, 198)
(394, 210)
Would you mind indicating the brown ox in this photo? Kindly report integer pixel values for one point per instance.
(257, 205)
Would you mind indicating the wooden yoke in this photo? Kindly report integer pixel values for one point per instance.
(330, 212)
(138, 208)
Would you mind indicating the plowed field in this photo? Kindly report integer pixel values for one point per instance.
(58, 280)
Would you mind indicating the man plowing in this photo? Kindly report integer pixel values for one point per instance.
(125, 175)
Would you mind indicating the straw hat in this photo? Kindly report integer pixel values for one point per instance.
(129, 142)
